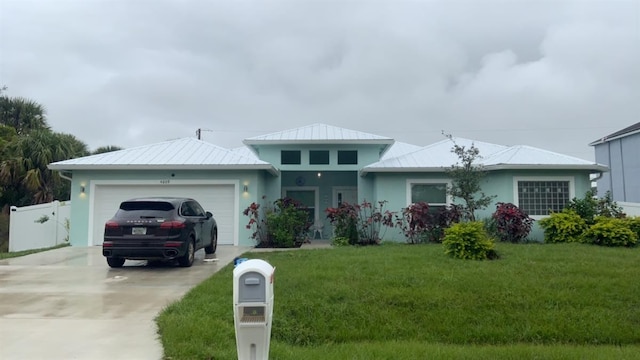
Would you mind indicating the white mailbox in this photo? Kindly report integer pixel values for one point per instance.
(253, 308)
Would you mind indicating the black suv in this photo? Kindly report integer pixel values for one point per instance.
(159, 228)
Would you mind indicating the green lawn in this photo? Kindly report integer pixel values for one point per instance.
(554, 301)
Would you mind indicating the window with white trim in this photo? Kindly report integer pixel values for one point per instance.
(433, 193)
(307, 197)
(544, 196)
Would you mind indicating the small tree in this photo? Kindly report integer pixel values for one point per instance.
(466, 177)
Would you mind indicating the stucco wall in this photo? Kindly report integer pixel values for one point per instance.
(392, 187)
(367, 154)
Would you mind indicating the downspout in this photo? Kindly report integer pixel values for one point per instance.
(62, 175)
(598, 176)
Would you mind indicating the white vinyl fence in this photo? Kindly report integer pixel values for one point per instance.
(631, 209)
(39, 226)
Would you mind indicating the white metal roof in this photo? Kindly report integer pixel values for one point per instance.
(436, 157)
(399, 148)
(193, 154)
(185, 153)
(531, 157)
(318, 133)
(245, 151)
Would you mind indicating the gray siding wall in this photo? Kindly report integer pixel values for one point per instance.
(623, 158)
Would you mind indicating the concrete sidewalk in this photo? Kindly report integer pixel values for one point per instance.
(68, 304)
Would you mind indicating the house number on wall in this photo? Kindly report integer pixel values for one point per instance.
(165, 181)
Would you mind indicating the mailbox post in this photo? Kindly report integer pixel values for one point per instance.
(253, 308)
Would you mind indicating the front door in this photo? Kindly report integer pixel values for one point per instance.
(345, 195)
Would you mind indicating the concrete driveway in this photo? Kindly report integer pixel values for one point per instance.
(68, 304)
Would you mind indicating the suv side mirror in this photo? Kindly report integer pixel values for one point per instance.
(209, 215)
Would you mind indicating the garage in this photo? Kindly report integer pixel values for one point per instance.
(218, 198)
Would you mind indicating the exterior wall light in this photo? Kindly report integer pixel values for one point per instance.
(82, 189)
(246, 188)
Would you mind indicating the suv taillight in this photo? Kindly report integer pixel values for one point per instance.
(111, 225)
(172, 225)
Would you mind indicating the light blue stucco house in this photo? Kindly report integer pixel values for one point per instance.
(319, 165)
(619, 151)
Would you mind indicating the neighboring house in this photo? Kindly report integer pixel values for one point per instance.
(620, 151)
(319, 165)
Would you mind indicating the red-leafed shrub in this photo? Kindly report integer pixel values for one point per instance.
(511, 223)
(420, 224)
(360, 224)
(344, 219)
(415, 222)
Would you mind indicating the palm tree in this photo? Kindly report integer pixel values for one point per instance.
(106, 149)
(26, 170)
(22, 114)
(7, 134)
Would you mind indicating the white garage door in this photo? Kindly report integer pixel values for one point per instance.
(218, 199)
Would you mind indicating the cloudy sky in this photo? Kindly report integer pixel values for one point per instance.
(552, 74)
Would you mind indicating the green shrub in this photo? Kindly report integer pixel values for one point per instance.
(285, 224)
(634, 224)
(468, 241)
(339, 241)
(590, 207)
(288, 225)
(565, 226)
(491, 228)
(608, 231)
